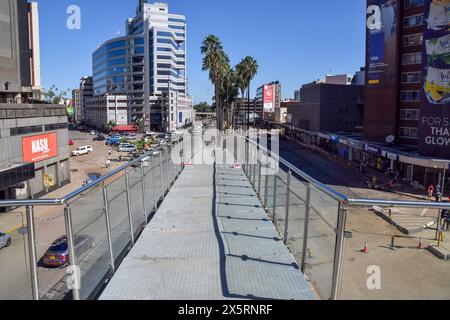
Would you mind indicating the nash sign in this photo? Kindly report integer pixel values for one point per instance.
(39, 148)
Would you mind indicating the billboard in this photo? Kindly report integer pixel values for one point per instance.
(434, 134)
(268, 98)
(39, 148)
(382, 23)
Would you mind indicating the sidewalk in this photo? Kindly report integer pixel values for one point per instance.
(210, 240)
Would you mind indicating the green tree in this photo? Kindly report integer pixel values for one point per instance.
(203, 107)
(54, 95)
(214, 59)
(247, 70)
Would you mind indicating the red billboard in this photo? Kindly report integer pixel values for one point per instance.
(268, 98)
(39, 148)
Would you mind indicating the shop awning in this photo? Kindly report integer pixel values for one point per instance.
(130, 128)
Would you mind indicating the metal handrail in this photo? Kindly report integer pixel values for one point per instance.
(343, 198)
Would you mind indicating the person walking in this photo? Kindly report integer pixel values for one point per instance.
(438, 193)
(430, 191)
(445, 219)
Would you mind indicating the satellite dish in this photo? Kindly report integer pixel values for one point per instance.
(390, 139)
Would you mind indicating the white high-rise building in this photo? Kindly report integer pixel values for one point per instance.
(148, 65)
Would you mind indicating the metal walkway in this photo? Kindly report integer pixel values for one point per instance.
(210, 240)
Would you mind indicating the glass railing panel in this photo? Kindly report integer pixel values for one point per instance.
(89, 226)
(118, 215)
(321, 241)
(14, 260)
(136, 199)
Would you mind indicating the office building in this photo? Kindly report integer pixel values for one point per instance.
(268, 100)
(148, 65)
(407, 71)
(76, 102)
(86, 93)
(297, 95)
(35, 60)
(328, 107)
(104, 109)
(15, 53)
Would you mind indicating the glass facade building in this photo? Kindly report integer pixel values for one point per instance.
(148, 65)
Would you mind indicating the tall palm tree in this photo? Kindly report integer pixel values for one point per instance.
(241, 84)
(248, 69)
(213, 61)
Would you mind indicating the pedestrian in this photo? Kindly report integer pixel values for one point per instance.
(438, 193)
(108, 163)
(445, 217)
(430, 191)
(109, 152)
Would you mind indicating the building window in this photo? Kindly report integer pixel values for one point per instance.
(413, 3)
(409, 114)
(413, 40)
(413, 21)
(411, 77)
(412, 58)
(407, 96)
(411, 133)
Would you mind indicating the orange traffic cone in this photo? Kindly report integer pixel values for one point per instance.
(365, 249)
(421, 244)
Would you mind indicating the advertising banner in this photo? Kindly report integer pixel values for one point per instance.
(268, 98)
(39, 148)
(382, 22)
(434, 136)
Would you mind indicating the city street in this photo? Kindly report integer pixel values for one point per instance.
(406, 273)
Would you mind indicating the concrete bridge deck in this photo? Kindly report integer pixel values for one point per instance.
(210, 240)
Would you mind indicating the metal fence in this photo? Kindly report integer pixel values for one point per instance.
(101, 221)
(317, 224)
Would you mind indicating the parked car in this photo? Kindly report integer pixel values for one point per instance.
(70, 142)
(82, 150)
(113, 141)
(131, 137)
(5, 240)
(93, 133)
(127, 147)
(100, 137)
(58, 253)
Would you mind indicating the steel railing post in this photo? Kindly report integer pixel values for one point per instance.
(161, 170)
(266, 186)
(153, 168)
(306, 226)
(259, 178)
(254, 168)
(288, 194)
(338, 252)
(275, 182)
(72, 257)
(144, 198)
(31, 232)
(130, 217)
(108, 230)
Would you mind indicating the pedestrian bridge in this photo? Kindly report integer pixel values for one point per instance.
(210, 239)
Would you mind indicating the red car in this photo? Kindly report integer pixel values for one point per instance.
(71, 143)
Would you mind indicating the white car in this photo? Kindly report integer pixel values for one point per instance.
(93, 133)
(127, 148)
(82, 150)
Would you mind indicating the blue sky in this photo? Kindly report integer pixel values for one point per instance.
(294, 41)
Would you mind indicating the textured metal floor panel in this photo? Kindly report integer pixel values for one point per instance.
(209, 242)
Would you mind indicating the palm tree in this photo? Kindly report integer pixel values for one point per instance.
(213, 61)
(241, 84)
(248, 68)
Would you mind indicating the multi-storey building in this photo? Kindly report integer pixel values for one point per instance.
(86, 93)
(407, 91)
(16, 56)
(149, 66)
(76, 103)
(35, 61)
(268, 101)
(104, 109)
